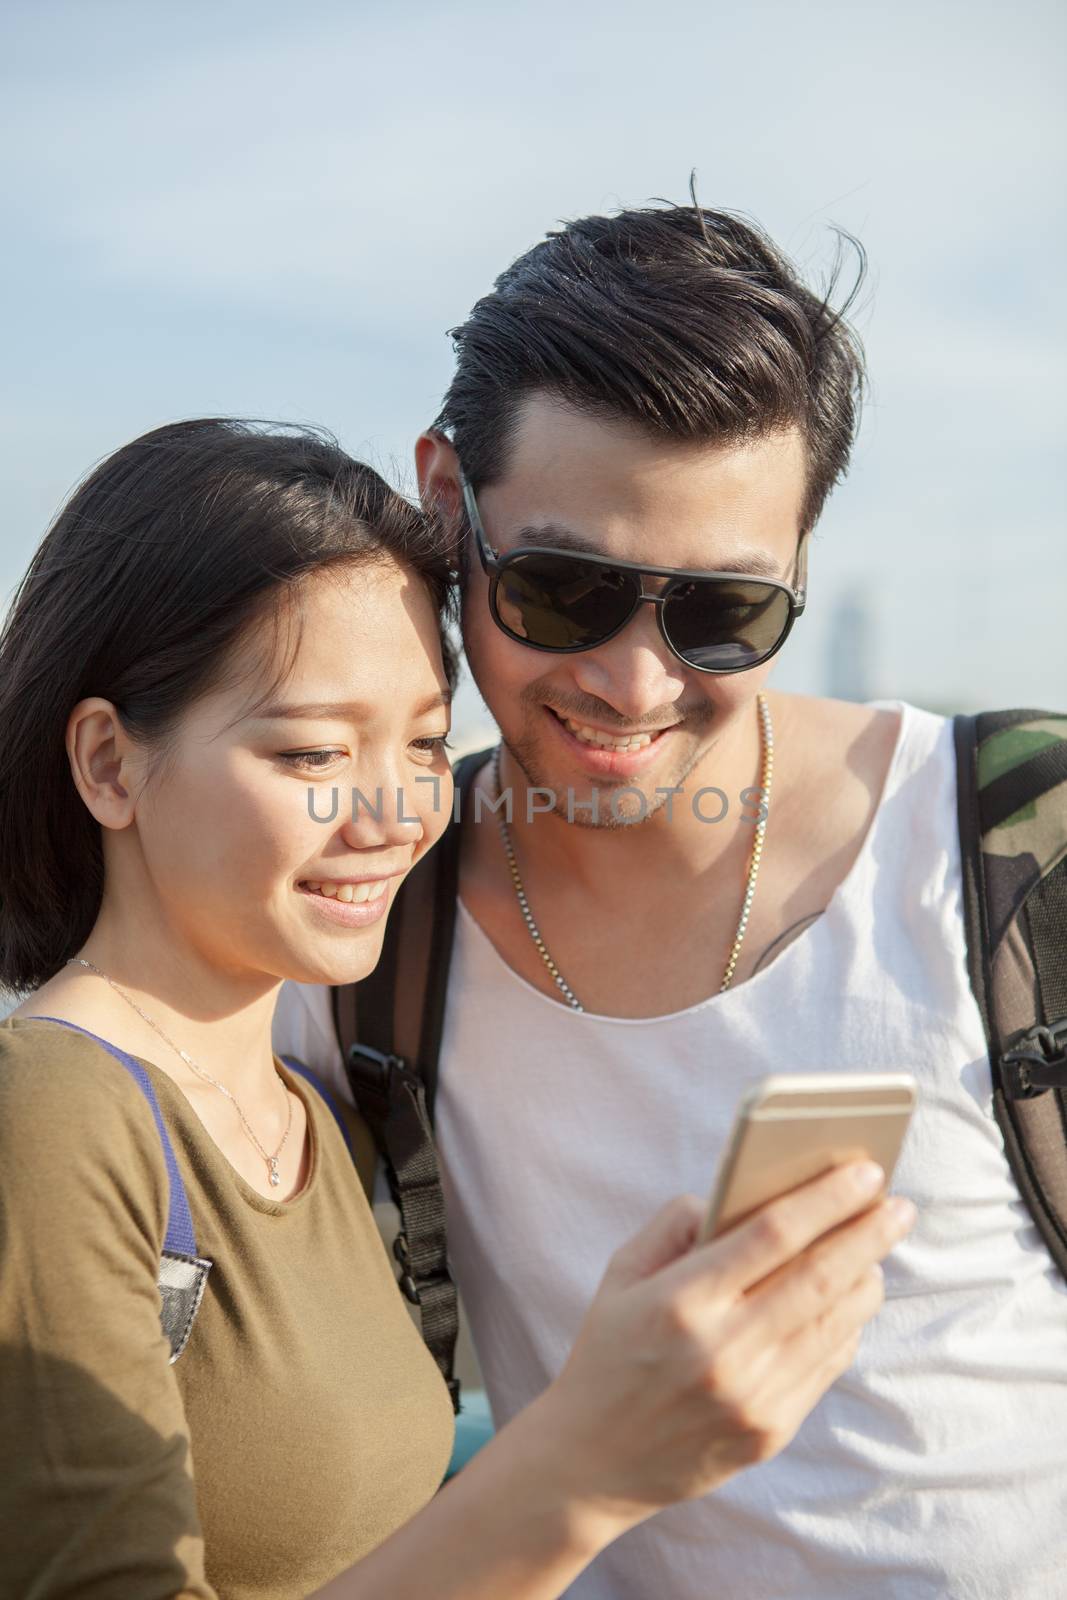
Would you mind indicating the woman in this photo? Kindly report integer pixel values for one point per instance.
(224, 627)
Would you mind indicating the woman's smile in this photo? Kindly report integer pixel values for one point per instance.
(352, 903)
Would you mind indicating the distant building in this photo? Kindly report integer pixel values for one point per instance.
(850, 647)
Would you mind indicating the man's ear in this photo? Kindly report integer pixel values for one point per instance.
(437, 466)
(439, 474)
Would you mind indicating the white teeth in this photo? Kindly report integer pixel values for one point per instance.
(351, 893)
(630, 741)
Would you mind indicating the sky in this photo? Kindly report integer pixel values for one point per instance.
(279, 211)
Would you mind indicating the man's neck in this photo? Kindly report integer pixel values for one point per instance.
(641, 921)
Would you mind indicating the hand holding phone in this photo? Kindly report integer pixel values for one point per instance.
(791, 1127)
(692, 1364)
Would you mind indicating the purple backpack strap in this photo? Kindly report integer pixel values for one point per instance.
(182, 1273)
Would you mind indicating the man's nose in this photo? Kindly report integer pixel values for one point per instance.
(634, 673)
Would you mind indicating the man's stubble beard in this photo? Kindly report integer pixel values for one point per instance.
(524, 750)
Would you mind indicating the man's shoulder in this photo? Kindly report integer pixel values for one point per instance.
(837, 763)
(857, 744)
(835, 745)
(841, 720)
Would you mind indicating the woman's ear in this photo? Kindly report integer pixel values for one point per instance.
(103, 762)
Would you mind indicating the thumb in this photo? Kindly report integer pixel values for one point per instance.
(669, 1235)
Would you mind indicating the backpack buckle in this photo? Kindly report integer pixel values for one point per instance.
(375, 1070)
(1037, 1061)
(408, 1287)
(413, 1291)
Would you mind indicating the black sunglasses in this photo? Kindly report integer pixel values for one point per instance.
(565, 601)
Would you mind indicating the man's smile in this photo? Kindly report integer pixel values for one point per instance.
(608, 754)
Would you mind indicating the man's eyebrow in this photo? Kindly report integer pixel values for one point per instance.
(344, 708)
(752, 563)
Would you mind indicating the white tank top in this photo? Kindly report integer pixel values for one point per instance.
(936, 1466)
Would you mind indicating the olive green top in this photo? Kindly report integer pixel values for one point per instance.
(305, 1419)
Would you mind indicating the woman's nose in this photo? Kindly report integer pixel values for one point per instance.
(387, 814)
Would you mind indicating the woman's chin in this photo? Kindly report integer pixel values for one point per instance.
(323, 966)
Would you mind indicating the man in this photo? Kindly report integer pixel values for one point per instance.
(658, 390)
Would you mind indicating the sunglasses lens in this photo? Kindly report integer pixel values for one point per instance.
(725, 627)
(561, 603)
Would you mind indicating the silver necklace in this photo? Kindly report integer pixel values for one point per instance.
(271, 1160)
(767, 770)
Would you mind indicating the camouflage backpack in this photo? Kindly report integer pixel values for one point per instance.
(1012, 797)
(1012, 786)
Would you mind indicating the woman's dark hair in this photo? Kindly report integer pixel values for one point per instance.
(145, 590)
(685, 321)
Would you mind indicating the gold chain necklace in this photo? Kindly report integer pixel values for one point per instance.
(767, 770)
(271, 1160)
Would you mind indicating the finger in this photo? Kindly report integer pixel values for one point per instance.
(802, 1291)
(773, 1367)
(818, 1348)
(798, 1404)
(669, 1235)
(796, 1384)
(779, 1231)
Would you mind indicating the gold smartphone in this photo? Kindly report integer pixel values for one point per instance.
(793, 1126)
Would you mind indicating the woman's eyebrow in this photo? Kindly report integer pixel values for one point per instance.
(752, 564)
(356, 710)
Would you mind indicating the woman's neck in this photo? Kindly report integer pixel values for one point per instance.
(221, 1020)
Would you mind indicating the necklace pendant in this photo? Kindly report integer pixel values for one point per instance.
(275, 1175)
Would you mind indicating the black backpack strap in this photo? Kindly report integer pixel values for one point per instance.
(389, 1029)
(1012, 797)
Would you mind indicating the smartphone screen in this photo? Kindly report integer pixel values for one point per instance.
(792, 1127)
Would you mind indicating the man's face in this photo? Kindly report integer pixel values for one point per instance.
(631, 498)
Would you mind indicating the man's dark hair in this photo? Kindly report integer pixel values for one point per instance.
(687, 322)
(175, 554)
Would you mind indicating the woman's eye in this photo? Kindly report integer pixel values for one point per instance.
(311, 760)
(433, 743)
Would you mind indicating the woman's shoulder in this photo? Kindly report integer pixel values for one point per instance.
(45, 1060)
(67, 1105)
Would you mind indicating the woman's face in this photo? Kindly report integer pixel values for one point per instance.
(229, 844)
